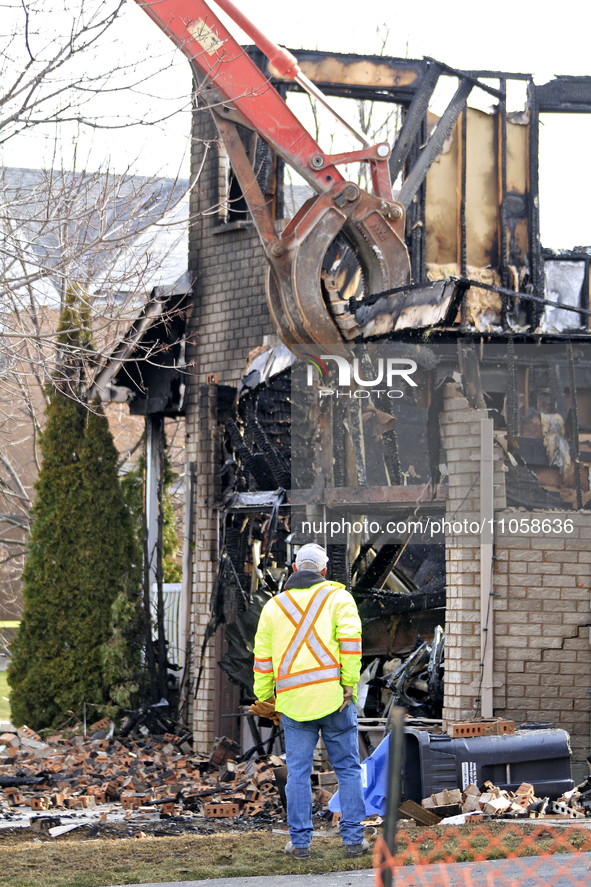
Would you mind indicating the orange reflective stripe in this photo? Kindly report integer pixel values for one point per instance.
(350, 646)
(305, 678)
(264, 666)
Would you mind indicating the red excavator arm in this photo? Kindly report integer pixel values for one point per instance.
(306, 302)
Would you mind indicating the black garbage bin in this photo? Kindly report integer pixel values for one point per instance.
(437, 761)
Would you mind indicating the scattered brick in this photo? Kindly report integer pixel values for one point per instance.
(483, 727)
(214, 811)
(40, 803)
(139, 777)
(498, 803)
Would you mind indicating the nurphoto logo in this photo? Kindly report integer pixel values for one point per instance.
(388, 371)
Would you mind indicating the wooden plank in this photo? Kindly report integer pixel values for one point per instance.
(419, 814)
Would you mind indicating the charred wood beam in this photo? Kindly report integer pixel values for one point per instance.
(260, 472)
(339, 73)
(433, 147)
(279, 470)
(470, 371)
(413, 120)
(535, 248)
(574, 412)
(377, 572)
(463, 196)
(436, 303)
(337, 555)
(512, 400)
(148, 572)
(354, 426)
(341, 497)
(339, 443)
(503, 256)
(18, 781)
(381, 447)
(392, 456)
(564, 94)
(360, 557)
(470, 77)
(258, 742)
(396, 604)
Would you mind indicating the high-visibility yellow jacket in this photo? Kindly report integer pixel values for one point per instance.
(307, 647)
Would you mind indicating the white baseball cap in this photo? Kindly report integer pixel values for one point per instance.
(311, 557)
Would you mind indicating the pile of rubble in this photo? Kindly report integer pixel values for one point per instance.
(492, 802)
(155, 775)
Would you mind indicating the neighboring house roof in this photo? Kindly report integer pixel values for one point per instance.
(93, 228)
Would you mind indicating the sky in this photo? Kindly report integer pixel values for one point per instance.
(510, 35)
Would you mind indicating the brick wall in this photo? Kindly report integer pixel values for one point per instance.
(229, 318)
(542, 619)
(542, 610)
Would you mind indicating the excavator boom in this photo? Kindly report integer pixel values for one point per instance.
(306, 295)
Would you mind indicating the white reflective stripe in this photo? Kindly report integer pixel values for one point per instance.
(304, 627)
(319, 650)
(290, 607)
(311, 677)
(350, 646)
(263, 666)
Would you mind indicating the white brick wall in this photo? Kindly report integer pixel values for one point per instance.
(542, 609)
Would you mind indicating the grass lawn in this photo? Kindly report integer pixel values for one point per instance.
(75, 860)
(4, 706)
(94, 862)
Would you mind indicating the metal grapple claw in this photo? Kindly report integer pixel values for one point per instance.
(306, 292)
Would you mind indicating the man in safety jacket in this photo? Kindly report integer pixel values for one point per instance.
(308, 652)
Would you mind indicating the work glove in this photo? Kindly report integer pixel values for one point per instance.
(347, 697)
(265, 710)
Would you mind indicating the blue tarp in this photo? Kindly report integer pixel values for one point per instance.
(374, 775)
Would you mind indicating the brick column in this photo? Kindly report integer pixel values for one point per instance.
(205, 561)
(229, 318)
(460, 428)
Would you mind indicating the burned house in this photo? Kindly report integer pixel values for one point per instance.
(453, 498)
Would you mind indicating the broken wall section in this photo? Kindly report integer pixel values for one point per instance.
(542, 619)
(541, 598)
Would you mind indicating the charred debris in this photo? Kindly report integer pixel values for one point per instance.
(293, 462)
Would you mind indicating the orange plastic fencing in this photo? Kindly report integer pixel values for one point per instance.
(509, 856)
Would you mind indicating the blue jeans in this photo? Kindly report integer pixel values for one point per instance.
(339, 732)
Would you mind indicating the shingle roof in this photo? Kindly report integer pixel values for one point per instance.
(92, 227)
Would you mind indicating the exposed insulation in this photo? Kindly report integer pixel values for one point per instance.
(483, 308)
(554, 441)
